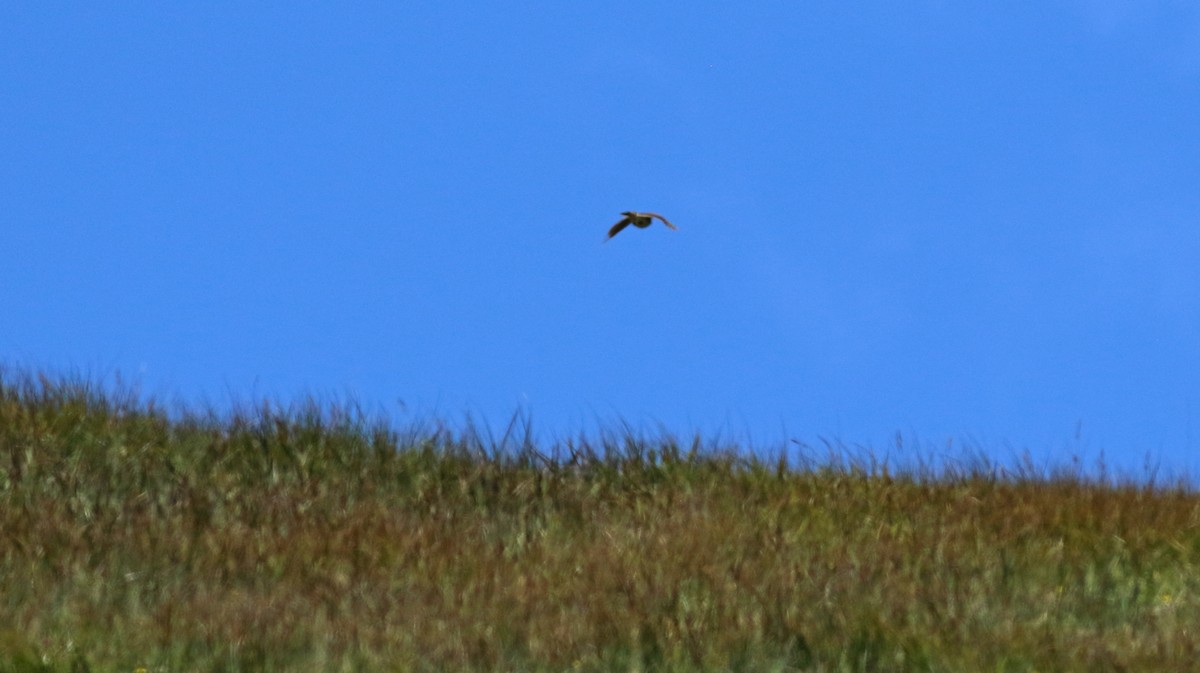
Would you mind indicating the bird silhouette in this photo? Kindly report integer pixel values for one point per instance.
(639, 220)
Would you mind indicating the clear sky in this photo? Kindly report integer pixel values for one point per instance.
(952, 220)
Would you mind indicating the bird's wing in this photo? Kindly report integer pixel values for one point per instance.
(616, 228)
(664, 220)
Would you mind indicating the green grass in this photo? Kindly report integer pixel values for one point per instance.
(315, 539)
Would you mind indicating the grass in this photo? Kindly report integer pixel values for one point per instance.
(315, 539)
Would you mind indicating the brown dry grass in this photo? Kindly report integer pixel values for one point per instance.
(314, 540)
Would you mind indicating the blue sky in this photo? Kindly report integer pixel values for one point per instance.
(967, 221)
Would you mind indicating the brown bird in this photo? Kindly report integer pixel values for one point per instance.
(639, 220)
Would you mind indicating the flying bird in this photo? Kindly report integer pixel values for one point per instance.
(639, 220)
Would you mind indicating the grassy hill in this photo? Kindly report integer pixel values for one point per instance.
(314, 539)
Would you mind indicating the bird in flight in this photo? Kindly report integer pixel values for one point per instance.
(639, 220)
